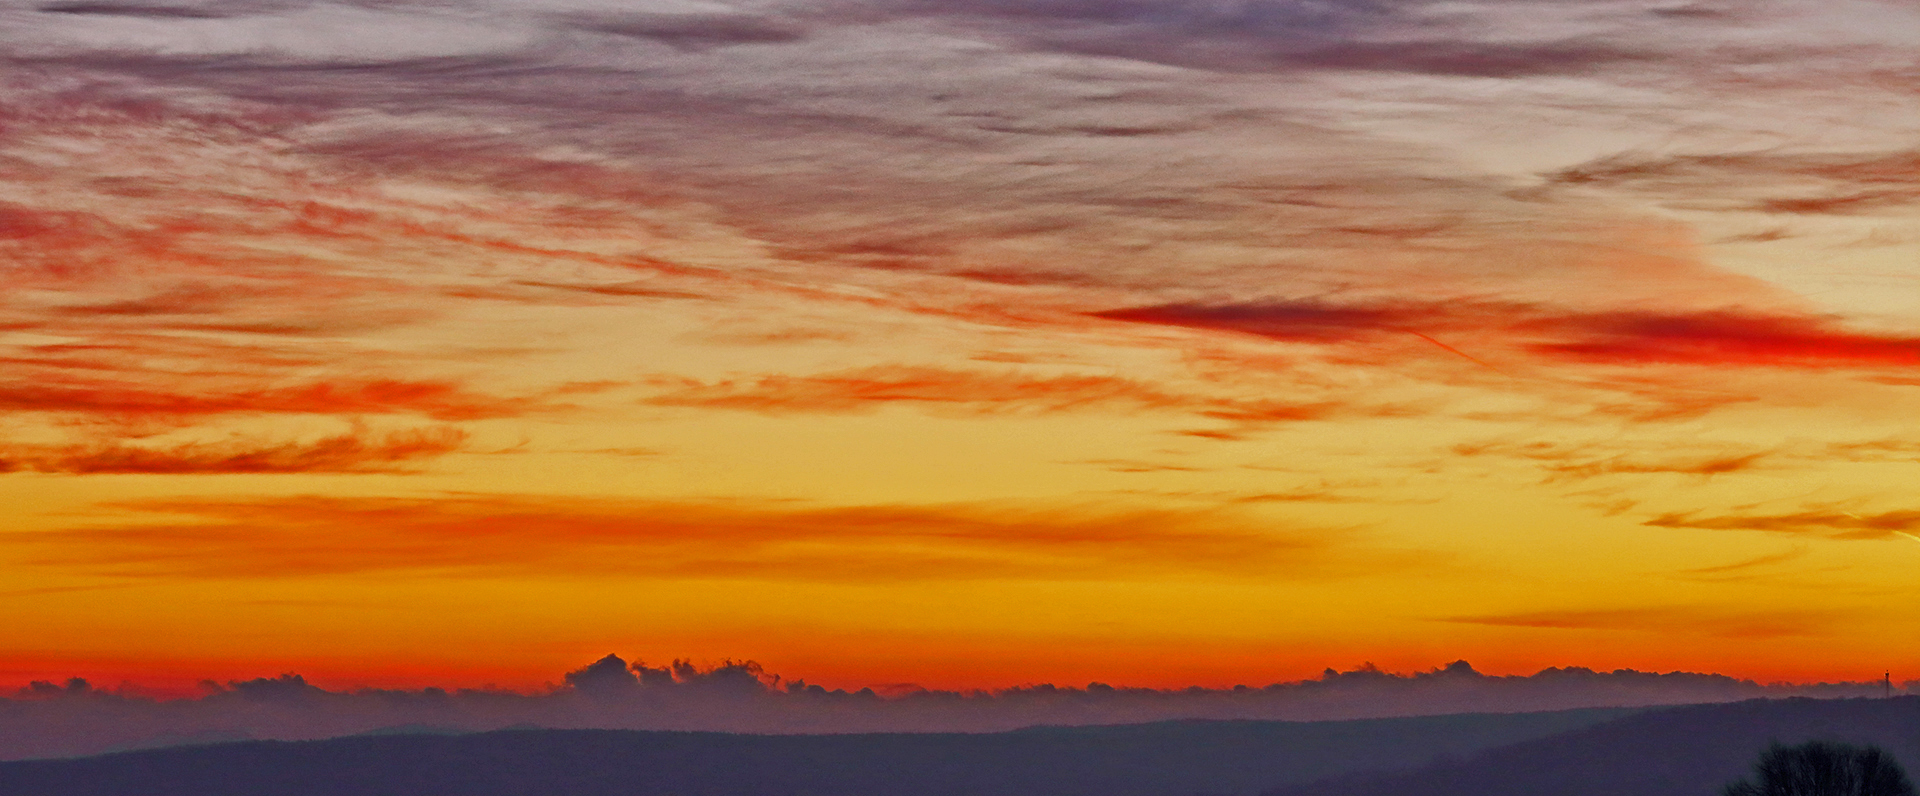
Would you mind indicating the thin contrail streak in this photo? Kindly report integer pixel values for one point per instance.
(1462, 354)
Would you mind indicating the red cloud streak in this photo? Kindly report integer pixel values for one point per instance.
(1720, 338)
(346, 453)
(438, 399)
(979, 392)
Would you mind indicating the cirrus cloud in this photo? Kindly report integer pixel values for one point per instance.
(484, 536)
(358, 452)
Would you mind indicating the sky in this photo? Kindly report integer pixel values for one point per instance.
(960, 344)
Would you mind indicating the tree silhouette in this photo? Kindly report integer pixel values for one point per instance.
(1821, 768)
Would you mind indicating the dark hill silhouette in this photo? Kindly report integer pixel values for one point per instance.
(1177, 758)
(1686, 751)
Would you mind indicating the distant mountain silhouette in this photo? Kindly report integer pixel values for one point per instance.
(46, 719)
(1178, 758)
(1685, 751)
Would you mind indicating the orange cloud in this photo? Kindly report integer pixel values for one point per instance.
(1589, 461)
(1712, 622)
(345, 453)
(865, 388)
(977, 392)
(1715, 338)
(1744, 569)
(1299, 321)
(439, 399)
(526, 536)
(1825, 522)
(1725, 338)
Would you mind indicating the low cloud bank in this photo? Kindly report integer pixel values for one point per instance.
(52, 720)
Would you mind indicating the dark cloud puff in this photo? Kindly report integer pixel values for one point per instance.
(607, 674)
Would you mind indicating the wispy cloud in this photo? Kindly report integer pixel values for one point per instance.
(1708, 621)
(1746, 567)
(551, 537)
(1787, 182)
(1707, 338)
(437, 399)
(1818, 522)
(1581, 461)
(1730, 339)
(1279, 36)
(357, 452)
(980, 392)
(694, 30)
(868, 388)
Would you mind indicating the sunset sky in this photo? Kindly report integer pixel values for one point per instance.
(964, 343)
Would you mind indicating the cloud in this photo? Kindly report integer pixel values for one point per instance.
(616, 290)
(607, 674)
(437, 399)
(1744, 568)
(1705, 466)
(1821, 522)
(1274, 35)
(1729, 338)
(1197, 16)
(1307, 321)
(1472, 59)
(261, 32)
(540, 537)
(867, 388)
(694, 30)
(1702, 621)
(1890, 449)
(358, 452)
(139, 11)
(1594, 460)
(976, 392)
(1716, 338)
(1141, 466)
(1034, 213)
(613, 678)
(304, 306)
(1788, 182)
